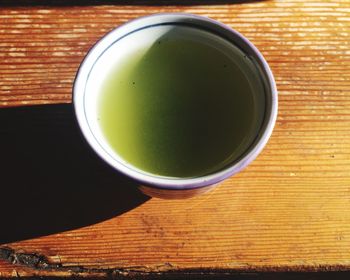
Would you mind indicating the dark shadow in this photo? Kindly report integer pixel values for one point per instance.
(51, 181)
(14, 3)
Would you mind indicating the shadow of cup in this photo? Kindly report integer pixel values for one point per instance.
(51, 181)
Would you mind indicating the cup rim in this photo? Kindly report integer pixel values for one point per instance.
(167, 182)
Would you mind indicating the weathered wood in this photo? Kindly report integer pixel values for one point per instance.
(289, 210)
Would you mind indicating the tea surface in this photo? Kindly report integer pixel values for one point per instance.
(184, 107)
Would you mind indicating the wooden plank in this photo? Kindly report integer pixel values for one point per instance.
(289, 210)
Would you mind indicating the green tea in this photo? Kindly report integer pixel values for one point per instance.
(184, 105)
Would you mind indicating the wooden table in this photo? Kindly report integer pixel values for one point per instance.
(63, 212)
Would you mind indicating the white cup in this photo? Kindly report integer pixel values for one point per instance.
(99, 61)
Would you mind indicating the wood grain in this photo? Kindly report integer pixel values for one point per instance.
(289, 210)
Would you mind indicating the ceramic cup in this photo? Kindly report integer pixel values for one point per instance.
(93, 69)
